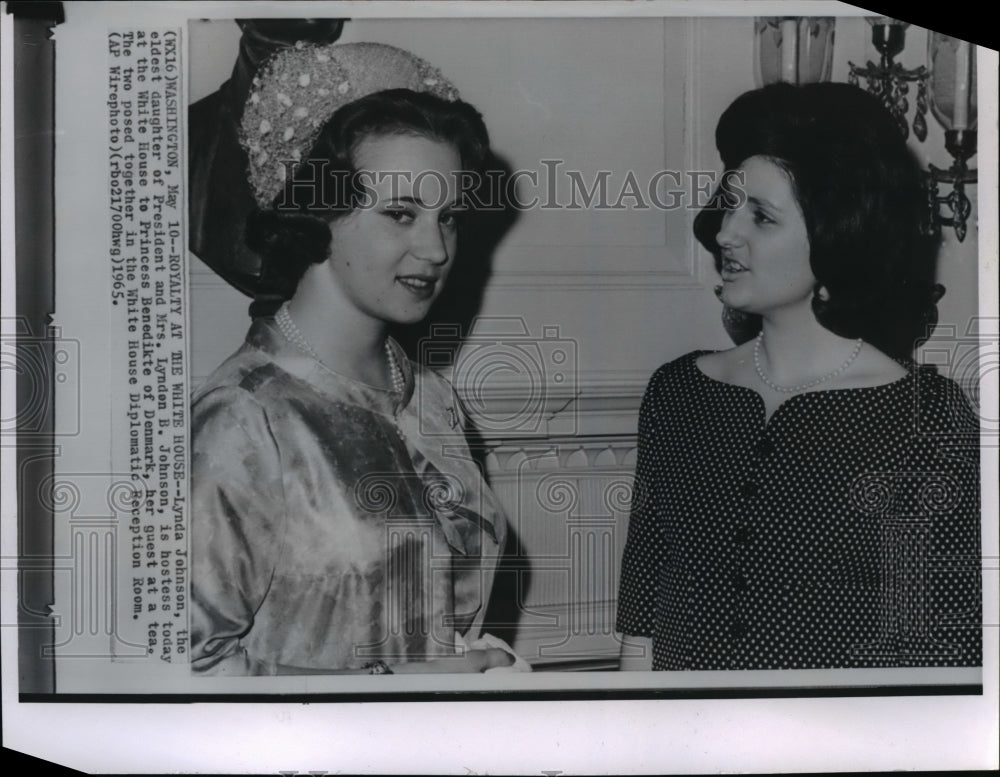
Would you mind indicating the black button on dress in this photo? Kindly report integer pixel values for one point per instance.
(841, 532)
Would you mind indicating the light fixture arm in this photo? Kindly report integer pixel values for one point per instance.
(961, 144)
(890, 81)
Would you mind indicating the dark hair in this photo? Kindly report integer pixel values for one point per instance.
(863, 198)
(294, 233)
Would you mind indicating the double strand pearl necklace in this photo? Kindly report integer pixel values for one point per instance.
(283, 318)
(802, 386)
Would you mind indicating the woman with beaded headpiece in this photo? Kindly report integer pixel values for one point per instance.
(809, 498)
(340, 523)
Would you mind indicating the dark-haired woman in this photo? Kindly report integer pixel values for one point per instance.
(810, 498)
(339, 521)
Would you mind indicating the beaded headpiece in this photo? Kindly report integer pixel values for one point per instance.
(298, 89)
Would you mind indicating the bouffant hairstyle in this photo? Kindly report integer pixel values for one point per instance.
(294, 232)
(863, 198)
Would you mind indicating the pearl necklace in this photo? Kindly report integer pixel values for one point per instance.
(395, 370)
(802, 386)
(283, 318)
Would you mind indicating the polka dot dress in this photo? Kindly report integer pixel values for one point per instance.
(841, 532)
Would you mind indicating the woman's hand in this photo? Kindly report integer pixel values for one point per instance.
(472, 662)
(481, 660)
(636, 654)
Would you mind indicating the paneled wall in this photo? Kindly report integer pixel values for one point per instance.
(581, 305)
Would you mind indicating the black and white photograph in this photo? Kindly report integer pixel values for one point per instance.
(621, 376)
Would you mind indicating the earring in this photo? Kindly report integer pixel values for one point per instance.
(823, 294)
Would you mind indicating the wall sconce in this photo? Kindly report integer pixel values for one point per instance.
(796, 49)
(953, 102)
(890, 81)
